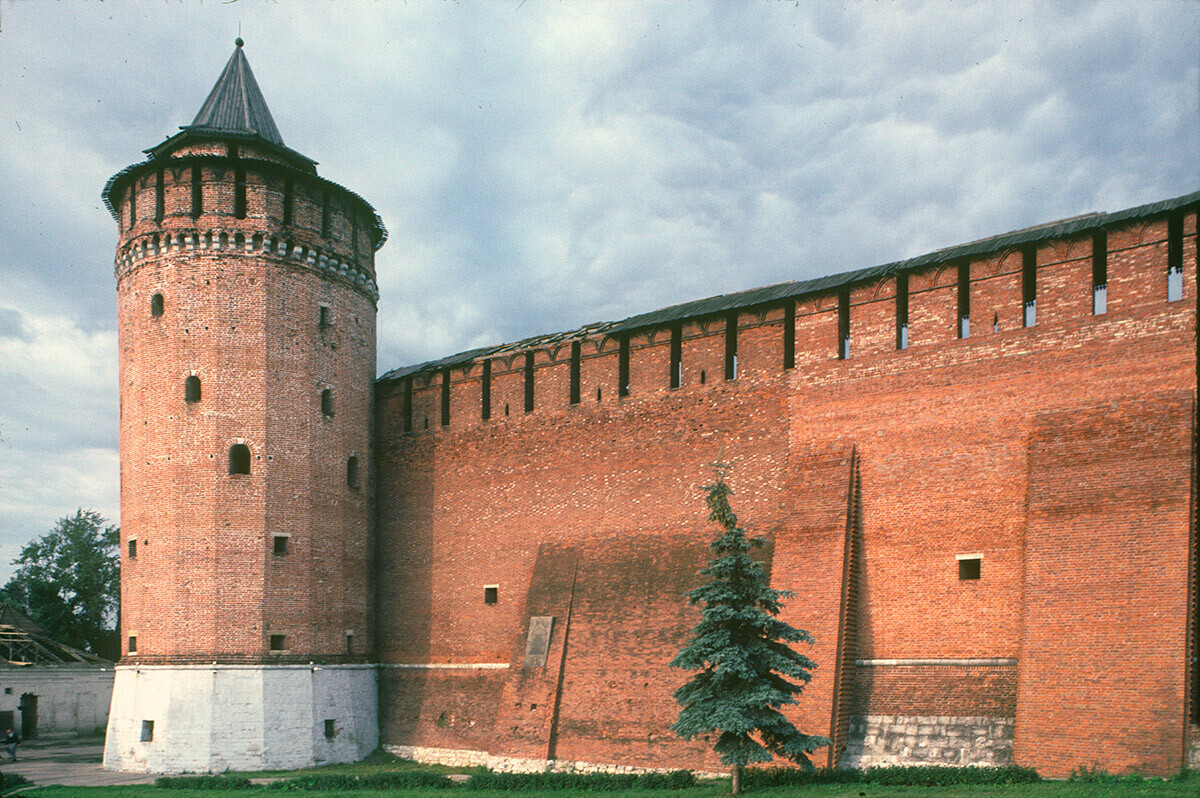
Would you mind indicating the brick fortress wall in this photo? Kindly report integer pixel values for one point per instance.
(225, 261)
(1058, 455)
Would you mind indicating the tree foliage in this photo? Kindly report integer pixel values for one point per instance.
(747, 669)
(69, 581)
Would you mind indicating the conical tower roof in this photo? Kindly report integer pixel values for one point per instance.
(236, 104)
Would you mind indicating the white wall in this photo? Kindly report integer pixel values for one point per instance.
(210, 718)
(71, 700)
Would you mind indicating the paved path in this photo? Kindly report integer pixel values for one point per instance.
(71, 763)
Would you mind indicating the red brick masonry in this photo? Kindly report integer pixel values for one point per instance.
(1060, 454)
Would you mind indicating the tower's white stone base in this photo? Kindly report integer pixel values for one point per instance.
(210, 718)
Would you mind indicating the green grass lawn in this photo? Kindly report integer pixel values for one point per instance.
(1189, 787)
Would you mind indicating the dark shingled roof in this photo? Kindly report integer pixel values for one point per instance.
(758, 297)
(235, 104)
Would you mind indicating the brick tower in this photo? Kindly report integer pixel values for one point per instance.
(246, 291)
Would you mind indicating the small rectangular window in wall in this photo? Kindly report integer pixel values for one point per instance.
(623, 366)
(485, 391)
(731, 346)
(575, 357)
(324, 317)
(407, 409)
(239, 194)
(789, 335)
(1175, 257)
(843, 325)
(1100, 273)
(197, 192)
(964, 300)
(902, 311)
(133, 548)
(132, 203)
(445, 397)
(278, 642)
(160, 199)
(676, 376)
(1029, 286)
(529, 382)
(133, 643)
(147, 731)
(969, 566)
(491, 594)
(330, 729)
(279, 545)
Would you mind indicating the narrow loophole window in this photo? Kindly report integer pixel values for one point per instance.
(239, 194)
(789, 335)
(191, 389)
(352, 473)
(159, 198)
(445, 397)
(964, 300)
(278, 642)
(529, 382)
(239, 459)
(623, 366)
(676, 375)
(147, 731)
(327, 402)
(197, 192)
(844, 325)
(1175, 257)
(491, 594)
(287, 202)
(485, 391)
(575, 358)
(731, 346)
(1100, 273)
(133, 644)
(156, 305)
(902, 311)
(132, 548)
(1029, 286)
(324, 317)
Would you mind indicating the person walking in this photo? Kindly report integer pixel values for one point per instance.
(11, 741)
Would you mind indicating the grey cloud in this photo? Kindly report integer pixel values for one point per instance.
(12, 325)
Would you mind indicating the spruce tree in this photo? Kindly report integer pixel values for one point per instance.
(747, 669)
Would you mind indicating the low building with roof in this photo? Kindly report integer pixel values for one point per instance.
(48, 688)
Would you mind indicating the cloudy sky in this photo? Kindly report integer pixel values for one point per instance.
(543, 164)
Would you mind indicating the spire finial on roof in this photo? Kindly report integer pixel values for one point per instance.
(236, 104)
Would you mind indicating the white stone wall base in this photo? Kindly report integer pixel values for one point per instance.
(211, 718)
(460, 757)
(881, 740)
